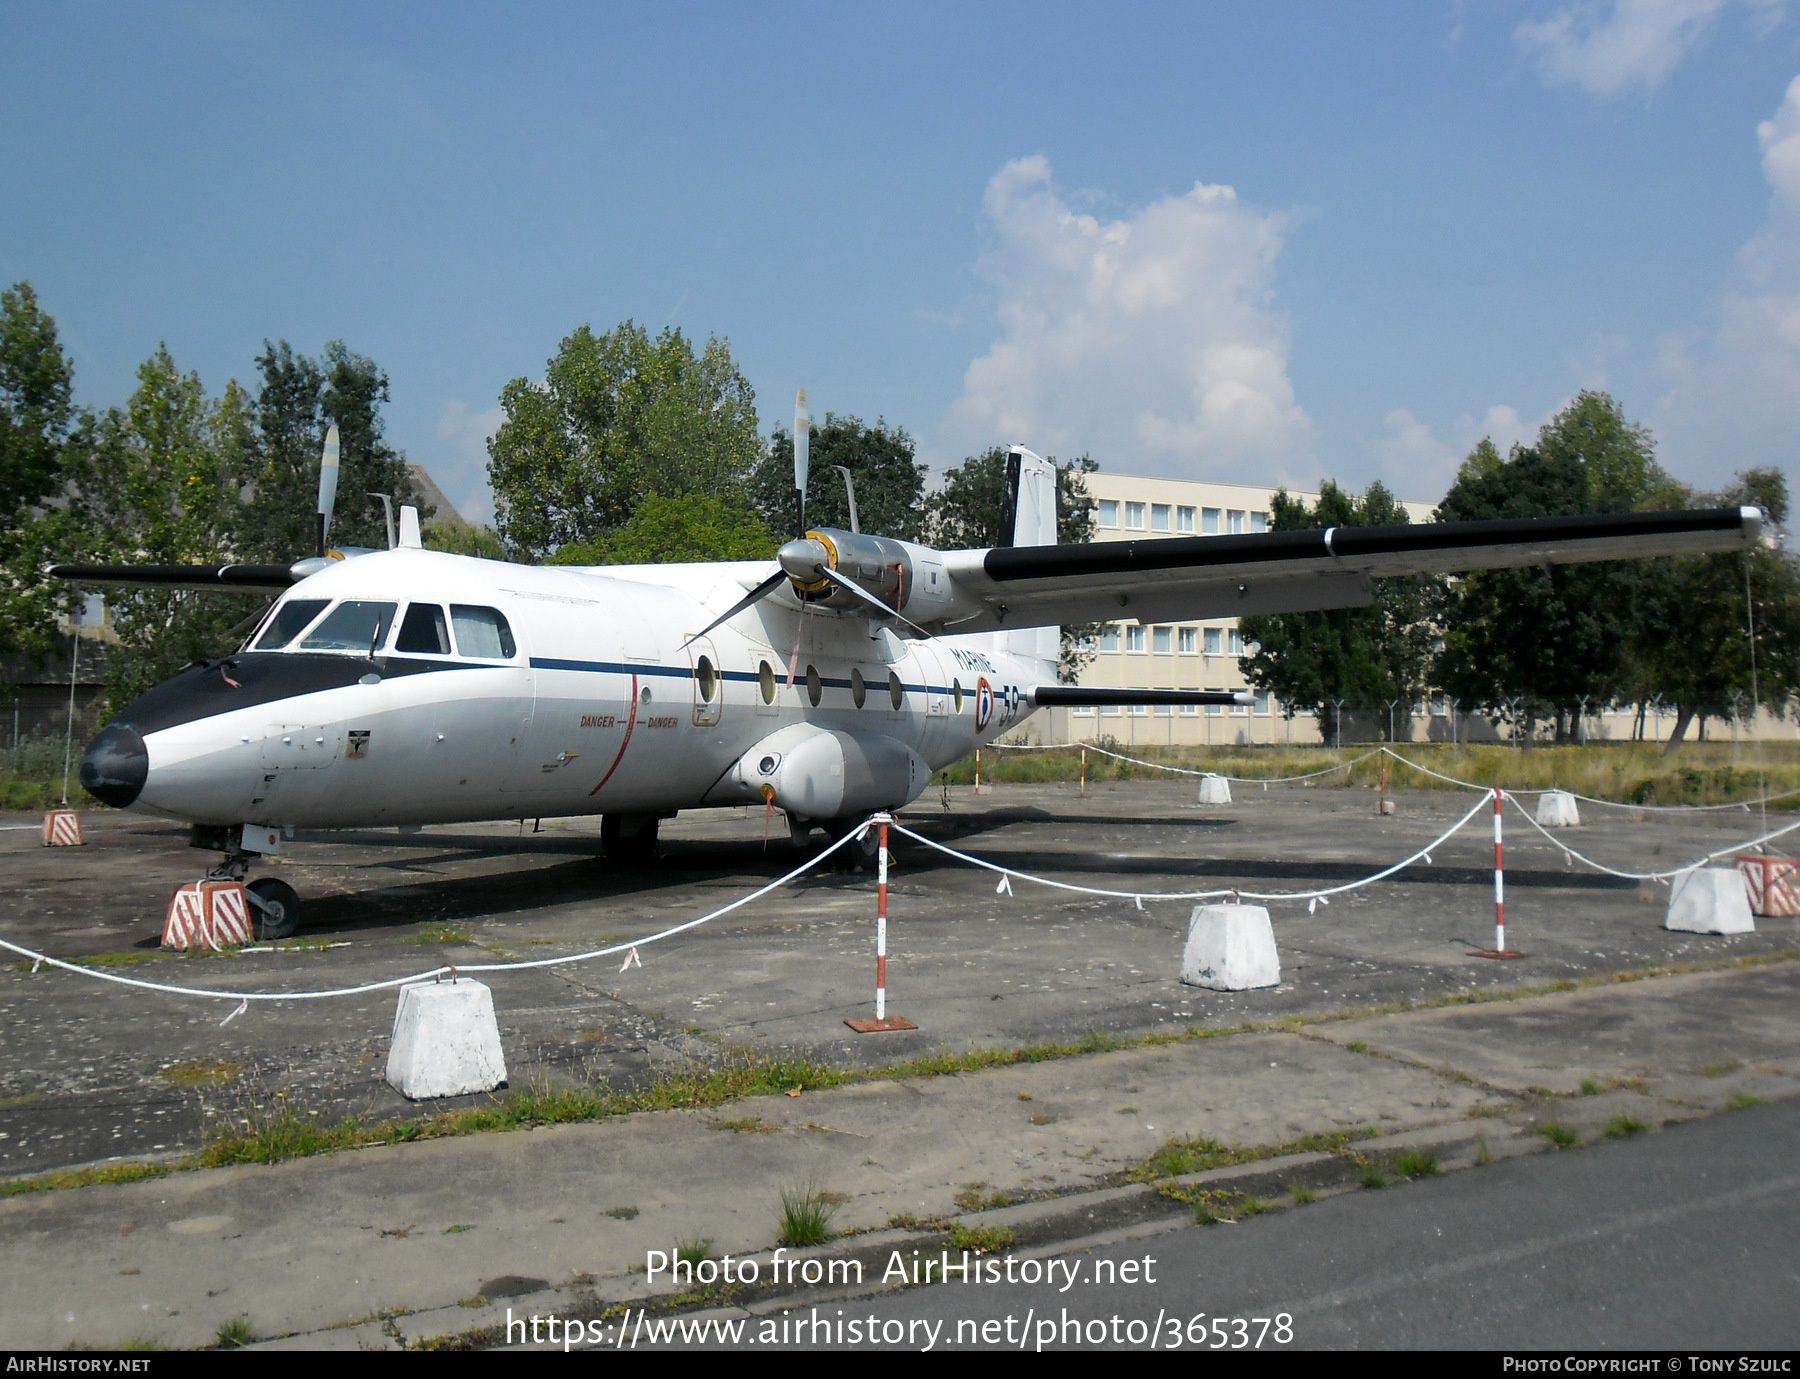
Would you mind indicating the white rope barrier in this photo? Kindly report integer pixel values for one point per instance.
(1324, 893)
(1589, 799)
(1177, 770)
(1663, 876)
(458, 969)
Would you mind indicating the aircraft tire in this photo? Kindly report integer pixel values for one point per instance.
(281, 917)
(623, 849)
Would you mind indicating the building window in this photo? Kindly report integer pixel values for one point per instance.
(1213, 639)
(1109, 711)
(1262, 703)
(1214, 689)
(1259, 521)
(1209, 521)
(1440, 707)
(1191, 708)
(1140, 710)
(1237, 642)
(1240, 709)
(1235, 522)
(1109, 637)
(1083, 711)
(1190, 640)
(1184, 520)
(1160, 641)
(1164, 710)
(1134, 516)
(1109, 512)
(1134, 637)
(1159, 517)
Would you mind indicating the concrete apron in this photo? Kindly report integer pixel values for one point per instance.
(332, 1241)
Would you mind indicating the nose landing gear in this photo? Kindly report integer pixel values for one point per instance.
(274, 905)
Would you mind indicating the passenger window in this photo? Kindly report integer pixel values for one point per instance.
(765, 682)
(423, 630)
(354, 625)
(482, 632)
(291, 619)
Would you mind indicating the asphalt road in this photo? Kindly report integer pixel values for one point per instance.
(1662, 1242)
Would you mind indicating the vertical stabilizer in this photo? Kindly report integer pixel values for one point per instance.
(1032, 479)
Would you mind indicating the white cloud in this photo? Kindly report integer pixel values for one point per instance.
(1605, 49)
(1735, 397)
(462, 470)
(1150, 342)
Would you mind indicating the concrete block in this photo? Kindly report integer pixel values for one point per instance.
(1230, 948)
(446, 1041)
(1556, 809)
(1215, 790)
(1710, 900)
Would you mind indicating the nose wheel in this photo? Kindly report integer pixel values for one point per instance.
(277, 907)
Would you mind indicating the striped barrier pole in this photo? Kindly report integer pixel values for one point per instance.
(881, 1022)
(1499, 950)
(1084, 772)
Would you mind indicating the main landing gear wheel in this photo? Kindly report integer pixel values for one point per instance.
(860, 854)
(278, 916)
(628, 840)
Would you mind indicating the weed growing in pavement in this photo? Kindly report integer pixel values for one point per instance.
(972, 1198)
(805, 1216)
(1179, 1157)
(621, 1213)
(202, 1073)
(1739, 1100)
(234, 1333)
(442, 933)
(1254, 1206)
(1558, 1134)
(1302, 1194)
(980, 1239)
(695, 1251)
(1483, 1155)
(1621, 1126)
(1416, 1163)
(1590, 1087)
(1371, 1176)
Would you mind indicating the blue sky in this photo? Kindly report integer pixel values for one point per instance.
(1269, 241)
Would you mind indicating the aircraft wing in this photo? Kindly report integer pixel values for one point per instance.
(1298, 571)
(217, 579)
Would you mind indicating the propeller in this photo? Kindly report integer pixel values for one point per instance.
(802, 454)
(756, 595)
(328, 477)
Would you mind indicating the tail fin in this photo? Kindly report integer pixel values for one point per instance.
(1031, 490)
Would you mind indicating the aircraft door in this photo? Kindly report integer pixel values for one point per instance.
(709, 682)
(937, 723)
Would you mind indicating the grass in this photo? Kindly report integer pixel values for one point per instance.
(1483, 1155)
(805, 1216)
(1590, 1087)
(1739, 1100)
(443, 933)
(1180, 1157)
(1416, 1163)
(694, 1251)
(621, 1213)
(749, 1125)
(980, 1239)
(972, 1198)
(1626, 773)
(234, 1333)
(202, 1073)
(1622, 1127)
(1372, 1176)
(457, 1230)
(1558, 1134)
(1302, 1194)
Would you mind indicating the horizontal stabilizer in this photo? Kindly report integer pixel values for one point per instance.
(1079, 696)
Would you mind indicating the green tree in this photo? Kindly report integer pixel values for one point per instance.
(42, 443)
(890, 481)
(166, 487)
(619, 418)
(675, 529)
(1534, 642)
(1362, 656)
(1692, 638)
(969, 512)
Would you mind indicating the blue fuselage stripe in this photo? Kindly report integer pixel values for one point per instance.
(686, 673)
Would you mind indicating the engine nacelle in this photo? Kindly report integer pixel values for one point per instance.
(817, 773)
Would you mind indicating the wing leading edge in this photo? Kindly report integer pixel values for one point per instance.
(1302, 571)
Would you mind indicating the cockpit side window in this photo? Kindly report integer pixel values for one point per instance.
(423, 630)
(354, 625)
(482, 632)
(291, 619)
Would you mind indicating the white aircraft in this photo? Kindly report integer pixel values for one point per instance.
(407, 686)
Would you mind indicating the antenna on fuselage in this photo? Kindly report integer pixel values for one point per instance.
(802, 456)
(328, 477)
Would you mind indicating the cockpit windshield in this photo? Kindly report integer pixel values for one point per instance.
(354, 625)
(290, 620)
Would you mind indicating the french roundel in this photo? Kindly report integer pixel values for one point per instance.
(984, 703)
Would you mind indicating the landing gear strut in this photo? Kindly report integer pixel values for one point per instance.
(274, 904)
(629, 840)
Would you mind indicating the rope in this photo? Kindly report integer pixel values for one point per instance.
(1140, 896)
(1179, 770)
(457, 970)
(1650, 875)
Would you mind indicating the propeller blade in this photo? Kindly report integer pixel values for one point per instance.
(802, 452)
(328, 477)
(760, 592)
(869, 598)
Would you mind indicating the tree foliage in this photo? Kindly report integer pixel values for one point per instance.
(671, 529)
(890, 482)
(1533, 642)
(1362, 656)
(619, 418)
(42, 446)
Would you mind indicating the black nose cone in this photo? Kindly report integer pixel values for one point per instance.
(116, 765)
